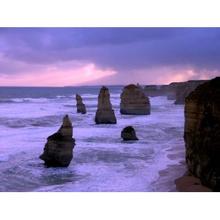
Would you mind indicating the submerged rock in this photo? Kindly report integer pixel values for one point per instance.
(105, 114)
(81, 108)
(129, 134)
(202, 133)
(58, 151)
(134, 101)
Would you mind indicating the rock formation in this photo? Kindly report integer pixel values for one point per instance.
(152, 90)
(81, 108)
(202, 133)
(182, 90)
(58, 151)
(171, 90)
(105, 114)
(174, 91)
(129, 134)
(134, 101)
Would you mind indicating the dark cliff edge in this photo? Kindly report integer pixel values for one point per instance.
(202, 134)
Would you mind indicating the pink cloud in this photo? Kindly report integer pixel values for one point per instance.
(57, 76)
(158, 75)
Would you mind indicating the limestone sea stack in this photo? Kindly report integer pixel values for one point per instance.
(81, 108)
(129, 134)
(105, 114)
(58, 151)
(202, 133)
(134, 101)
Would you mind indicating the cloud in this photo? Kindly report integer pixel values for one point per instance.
(56, 76)
(134, 53)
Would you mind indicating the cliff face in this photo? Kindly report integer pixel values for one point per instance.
(58, 151)
(134, 101)
(202, 133)
(105, 114)
(177, 91)
(154, 90)
(161, 90)
(183, 90)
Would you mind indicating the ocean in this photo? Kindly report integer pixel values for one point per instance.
(102, 161)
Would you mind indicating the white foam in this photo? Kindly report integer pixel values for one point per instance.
(102, 162)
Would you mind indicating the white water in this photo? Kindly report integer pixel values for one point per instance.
(102, 161)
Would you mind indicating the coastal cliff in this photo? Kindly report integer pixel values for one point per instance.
(202, 133)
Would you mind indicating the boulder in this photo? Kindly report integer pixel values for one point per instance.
(58, 151)
(129, 134)
(134, 101)
(81, 108)
(105, 114)
(202, 133)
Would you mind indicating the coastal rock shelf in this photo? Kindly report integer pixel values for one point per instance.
(202, 133)
(105, 114)
(58, 151)
(134, 101)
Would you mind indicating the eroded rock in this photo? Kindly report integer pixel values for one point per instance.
(129, 134)
(58, 151)
(202, 133)
(184, 89)
(134, 101)
(105, 114)
(81, 108)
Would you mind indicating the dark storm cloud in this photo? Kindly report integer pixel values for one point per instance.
(118, 48)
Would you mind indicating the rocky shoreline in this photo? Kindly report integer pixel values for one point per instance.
(194, 168)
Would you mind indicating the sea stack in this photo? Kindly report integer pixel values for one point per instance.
(134, 101)
(105, 114)
(81, 108)
(58, 151)
(129, 134)
(202, 133)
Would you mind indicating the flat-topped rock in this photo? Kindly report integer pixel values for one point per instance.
(81, 108)
(58, 151)
(129, 134)
(134, 101)
(105, 114)
(202, 133)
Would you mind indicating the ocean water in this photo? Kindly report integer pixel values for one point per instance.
(102, 161)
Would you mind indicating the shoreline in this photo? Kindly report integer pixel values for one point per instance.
(176, 167)
(190, 183)
(176, 178)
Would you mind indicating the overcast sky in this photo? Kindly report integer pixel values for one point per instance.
(85, 56)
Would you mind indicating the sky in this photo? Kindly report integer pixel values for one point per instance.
(107, 56)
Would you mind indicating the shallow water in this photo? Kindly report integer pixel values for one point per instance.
(102, 161)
